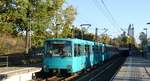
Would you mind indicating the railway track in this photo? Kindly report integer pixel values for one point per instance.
(103, 73)
(96, 74)
(55, 78)
(58, 78)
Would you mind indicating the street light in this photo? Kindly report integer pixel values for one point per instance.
(146, 33)
(88, 25)
(146, 39)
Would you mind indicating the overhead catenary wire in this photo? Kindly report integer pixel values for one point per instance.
(83, 19)
(109, 12)
(105, 11)
(79, 19)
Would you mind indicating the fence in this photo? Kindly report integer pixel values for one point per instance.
(4, 61)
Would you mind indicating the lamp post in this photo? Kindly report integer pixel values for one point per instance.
(73, 31)
(145, 54)
(56, 31)
(146, 31)
(110, 36)
(146, 35)
(83, 28)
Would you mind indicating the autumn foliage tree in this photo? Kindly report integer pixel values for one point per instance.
(19, 17)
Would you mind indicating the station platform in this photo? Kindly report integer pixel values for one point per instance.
(135, 68)
(17, 73)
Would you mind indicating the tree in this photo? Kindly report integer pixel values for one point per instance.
(143, 39)
(105, 39)
(36, 15)
(116, 42)
(18, 17)
(62, 22)
(124, 40)
(69, 15)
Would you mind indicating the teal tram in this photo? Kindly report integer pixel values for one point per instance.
(74, 55)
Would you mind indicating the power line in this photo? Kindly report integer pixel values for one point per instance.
(105, 11)
(109, 13)
(83, 18)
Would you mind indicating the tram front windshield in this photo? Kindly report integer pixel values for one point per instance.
(58, 48)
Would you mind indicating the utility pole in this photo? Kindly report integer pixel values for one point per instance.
(73, 31)
(28, 33)
(146, 35)
(96, 39)
(30, 39)
(56, 33)
(105, 30)
(145, 54)
(82, 33)
(27, 40)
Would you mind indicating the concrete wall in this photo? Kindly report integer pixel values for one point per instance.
(20, 77)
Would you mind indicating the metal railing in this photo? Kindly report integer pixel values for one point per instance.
(4, 60)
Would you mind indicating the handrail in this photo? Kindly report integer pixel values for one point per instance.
(6, 60)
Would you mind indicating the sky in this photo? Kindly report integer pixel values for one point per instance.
(113, 15)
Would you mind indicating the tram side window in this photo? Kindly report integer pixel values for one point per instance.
(96, 49)
(103, 49)
(77, 50)
(148, 48)
(100, 49)
(93, 49)
(87, 49)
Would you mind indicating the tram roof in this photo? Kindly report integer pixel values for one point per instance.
(78, 41)
(74, 40)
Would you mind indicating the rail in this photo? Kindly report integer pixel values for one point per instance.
(99, 73)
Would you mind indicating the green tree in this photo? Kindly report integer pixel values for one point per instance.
(36, 15)
(105, 39)
(69, 15)
(143, 39)
(62, 22)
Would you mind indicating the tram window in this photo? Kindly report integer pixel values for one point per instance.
(103, 49)
(87, 49)
(100, 49)
(58, 48)
(91, 51)
(93, 48)
(77, 49)
(82, 49)
(148, 49)
(97, 49)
